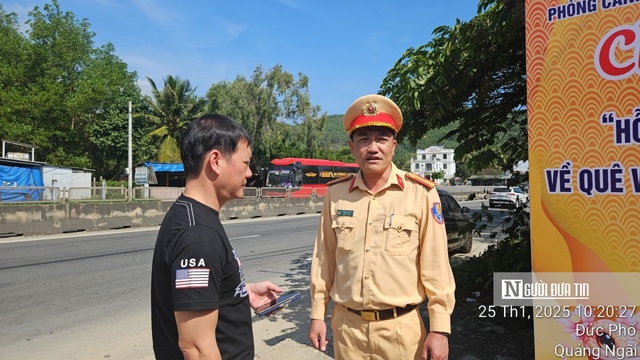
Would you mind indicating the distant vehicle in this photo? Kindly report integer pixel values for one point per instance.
(302, 172)
(456, 181)
(503, 196)
(458, 224)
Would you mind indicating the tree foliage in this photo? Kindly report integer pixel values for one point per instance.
(275, 108)
(170, 110)
(109, 142)
(56, 86)
(472, 73)
(69, 97)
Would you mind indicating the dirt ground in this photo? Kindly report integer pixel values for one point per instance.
(499, 338)
(473, 337)
(281, 337)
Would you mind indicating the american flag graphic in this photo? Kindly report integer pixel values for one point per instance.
(192, 278)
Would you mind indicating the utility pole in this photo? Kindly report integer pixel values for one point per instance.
(130, 163)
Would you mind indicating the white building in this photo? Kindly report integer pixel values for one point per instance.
(434, 159)
(66, 178)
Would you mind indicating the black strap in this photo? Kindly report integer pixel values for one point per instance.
(382, 314)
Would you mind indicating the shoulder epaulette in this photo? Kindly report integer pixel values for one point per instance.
(420, 180)
(339, 180)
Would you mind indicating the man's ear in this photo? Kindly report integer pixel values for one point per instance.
(213, 161)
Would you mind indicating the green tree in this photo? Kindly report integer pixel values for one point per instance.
(472, 73)
(170, 111)
(334, 136)
(462, 171)
(437, 175)
(439, 137)
(404, 153)
(12, 78)
(109, 138)
(275, 108)
(55, 85)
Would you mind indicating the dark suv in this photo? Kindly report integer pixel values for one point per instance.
(458, 224)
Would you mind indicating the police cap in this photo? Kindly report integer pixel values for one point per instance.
(372, 110)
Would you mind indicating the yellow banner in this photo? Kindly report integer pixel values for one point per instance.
(583, 84)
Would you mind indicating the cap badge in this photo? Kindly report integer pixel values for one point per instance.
(370, 110)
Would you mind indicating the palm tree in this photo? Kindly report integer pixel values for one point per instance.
(171, 110)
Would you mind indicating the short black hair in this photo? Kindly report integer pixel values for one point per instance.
(210, 132)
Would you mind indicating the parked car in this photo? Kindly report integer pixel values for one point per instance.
(458, 224)
(503, 196)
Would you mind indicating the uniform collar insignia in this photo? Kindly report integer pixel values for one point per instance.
(353, 181)
(400, 182)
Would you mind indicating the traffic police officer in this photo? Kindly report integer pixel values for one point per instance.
(381, 250)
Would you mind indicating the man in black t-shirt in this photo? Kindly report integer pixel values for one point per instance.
(200, 302)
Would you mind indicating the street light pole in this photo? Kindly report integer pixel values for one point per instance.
(130, 163)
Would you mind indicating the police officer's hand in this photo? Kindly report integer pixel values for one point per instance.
(436, 347)
(318, 334)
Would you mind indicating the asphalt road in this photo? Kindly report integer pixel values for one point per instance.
(86, 296)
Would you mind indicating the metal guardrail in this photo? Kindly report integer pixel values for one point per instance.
(31, 194)
(97, 194)
(156, 192)
(35, 194)
(291, 193)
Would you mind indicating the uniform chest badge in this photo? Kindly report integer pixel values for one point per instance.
(344, 212)
(436, 212)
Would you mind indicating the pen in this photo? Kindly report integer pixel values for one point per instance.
(390, 219)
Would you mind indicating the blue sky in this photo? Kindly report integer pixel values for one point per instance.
(345, 47)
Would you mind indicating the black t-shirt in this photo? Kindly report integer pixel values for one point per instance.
(195, 268)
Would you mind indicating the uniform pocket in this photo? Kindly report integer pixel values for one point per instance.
(345, 230)
(401, 234)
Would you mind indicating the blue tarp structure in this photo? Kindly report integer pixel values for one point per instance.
(166, 174)
(20, 176)
(165, 167)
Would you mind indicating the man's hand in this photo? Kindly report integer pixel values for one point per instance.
(436, 347)
(262, 292)
(318, 334)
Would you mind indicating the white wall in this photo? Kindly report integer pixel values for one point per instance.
(435, 157)
(54, 176)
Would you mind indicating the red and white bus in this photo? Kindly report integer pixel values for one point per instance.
(306, 173)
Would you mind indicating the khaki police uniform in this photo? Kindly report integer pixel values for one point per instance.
(378, 256)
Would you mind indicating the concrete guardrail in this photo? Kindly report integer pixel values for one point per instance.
(24, 219)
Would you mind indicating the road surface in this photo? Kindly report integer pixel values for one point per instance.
(86, 296)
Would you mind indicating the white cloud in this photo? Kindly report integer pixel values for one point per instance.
(233, 29)
(291, 3)
(145, 87)
(22, 11)
(154, 11)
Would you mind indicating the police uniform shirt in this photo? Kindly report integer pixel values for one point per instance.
(196, 268)
(374, 252)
